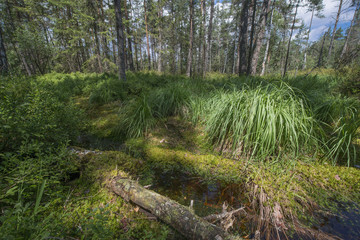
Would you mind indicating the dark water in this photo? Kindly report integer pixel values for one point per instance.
(345, 224)
(209, 198)
(93, 142)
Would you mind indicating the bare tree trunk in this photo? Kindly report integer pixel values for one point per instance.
(307, 40)
(321, 51)
(191, 39)
(334, 30)
(243, 36)
(289, 43)
(349, 32)
(147, 37)
(203, 39)
(267, 43)
(4, 67)
(130, 52)
(208, 51)
(160, 37)
(251, 43)
(121, 39)
(263, 19)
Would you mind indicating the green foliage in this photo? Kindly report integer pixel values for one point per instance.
(29, 111)
(260, 122)
(107, 91)
(138, 117)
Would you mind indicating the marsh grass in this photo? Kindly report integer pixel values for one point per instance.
(260, 122)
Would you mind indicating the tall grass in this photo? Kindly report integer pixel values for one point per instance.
(260, 122)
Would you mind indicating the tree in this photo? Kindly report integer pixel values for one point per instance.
(334, 30)
(208, 51)
(350, 29)
(289, 42)
(191, 40)
(243, 37)
(3, 58)
(263, 19)
(121, 39)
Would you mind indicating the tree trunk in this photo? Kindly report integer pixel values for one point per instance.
(243, 37)
(130, 52)
(263, 19)
(307, 40)
(160, 37)
(251, 43)
(191, 40)
(321, 51)
(4, 67)
(208, 51)
(147, 37)
(121, 39)
(334, 30)
(179, 217)
(267, 43)
(349, 32)
(289, 43)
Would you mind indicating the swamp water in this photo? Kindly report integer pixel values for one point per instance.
(208, 198)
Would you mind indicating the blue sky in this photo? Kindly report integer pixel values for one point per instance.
(320, 25)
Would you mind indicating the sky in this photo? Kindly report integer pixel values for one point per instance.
(320, 25)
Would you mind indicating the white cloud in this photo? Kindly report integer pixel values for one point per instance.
(320, 25)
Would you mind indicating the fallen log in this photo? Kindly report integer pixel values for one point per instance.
(176, 215)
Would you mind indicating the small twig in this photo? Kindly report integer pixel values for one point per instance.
(216, 217)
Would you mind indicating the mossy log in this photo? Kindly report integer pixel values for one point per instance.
(176, 215)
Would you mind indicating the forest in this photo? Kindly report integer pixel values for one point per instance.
(169, 119)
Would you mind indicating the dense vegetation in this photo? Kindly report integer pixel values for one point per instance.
(292, 121)
(232, 97)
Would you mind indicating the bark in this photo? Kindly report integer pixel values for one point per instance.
(260, 37)
(267, 43)
(130, 52)
(349, 32)
(203, 38)
(179, 217)
(251, 43)
(334, 30)
(4, 68)
(243, 37)
(160, 38)
(121, 39)
(208, 51)
(289, 43)
(308, 36)
(147, 37)
(191, 40)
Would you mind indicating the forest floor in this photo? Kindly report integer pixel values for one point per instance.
(292, 199)
(296, 193)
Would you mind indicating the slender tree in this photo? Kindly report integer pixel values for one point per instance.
(147, 37)
(350, 29)
(121, 39)
(260, 35)
(129, 41)
(191, 39)
(3, 58)
(290, 37)
(267, 42)
(243, 37)
(334, 30)
(208, 51)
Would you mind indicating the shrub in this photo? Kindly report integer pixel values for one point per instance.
(32, 112)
